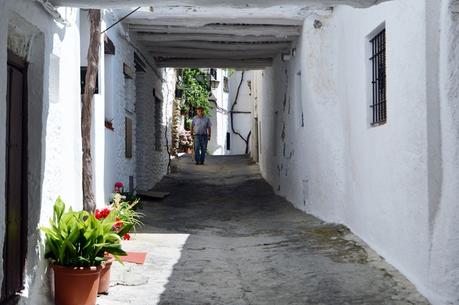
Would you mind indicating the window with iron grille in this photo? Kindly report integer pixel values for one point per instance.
(378, 69)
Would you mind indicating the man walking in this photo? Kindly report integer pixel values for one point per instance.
(201, 129)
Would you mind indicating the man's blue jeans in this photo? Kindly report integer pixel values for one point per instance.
(200, 147)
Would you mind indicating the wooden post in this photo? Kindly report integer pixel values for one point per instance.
(89, 203)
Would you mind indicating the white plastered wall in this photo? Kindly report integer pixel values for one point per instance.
(151, 163)
(387, 166)
(242, 121)
(110, 159)
(221, 113)
(219, 117)
(394, 185)
(54, 145)
(443, 121)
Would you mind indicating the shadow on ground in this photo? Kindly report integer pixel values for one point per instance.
(224, 237)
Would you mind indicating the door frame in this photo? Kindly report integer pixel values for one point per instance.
(20, 64)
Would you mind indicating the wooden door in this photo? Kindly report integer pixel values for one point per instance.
(14, 248)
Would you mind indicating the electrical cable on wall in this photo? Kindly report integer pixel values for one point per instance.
(121, 19)
(232, 119)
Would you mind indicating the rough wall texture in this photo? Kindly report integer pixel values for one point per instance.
(152, 162)
(122, 94)
(394, 185)
(444, 216)
(219, 117)
(54, 146)
(301, 144)
(221, 114)
(387, 166)
(242, 121)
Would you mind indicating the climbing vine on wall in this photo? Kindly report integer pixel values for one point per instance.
(196, 90)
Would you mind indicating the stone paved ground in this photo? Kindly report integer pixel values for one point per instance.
(224, 237)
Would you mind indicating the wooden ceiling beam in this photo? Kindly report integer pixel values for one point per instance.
(155, 37)
(199, 53)
(222, 29)
(111, 4)
(205, 45)
(215, 63)
(196, 21)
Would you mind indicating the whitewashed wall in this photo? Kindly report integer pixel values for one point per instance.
(219, 117)
(242, 122)
(221, 113)
(133, 98)
(443, 150)
(152, 163)
(118, 93)
(55, 53)
(394, 185)
(386, 166)
(52, 50)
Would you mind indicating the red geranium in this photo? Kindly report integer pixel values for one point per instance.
(119, 187)
(102, 213)
(126, 236)
(118, 223)
(119, 184)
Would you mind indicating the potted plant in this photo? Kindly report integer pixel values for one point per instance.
(126, 218)
(76, 243)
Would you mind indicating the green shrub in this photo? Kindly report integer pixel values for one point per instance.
(78, 239)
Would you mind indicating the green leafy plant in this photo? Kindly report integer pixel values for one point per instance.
(126, 213)
(196, 89)
(78, 239)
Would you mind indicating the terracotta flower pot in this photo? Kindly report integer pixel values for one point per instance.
(76, 286)
(104, 282)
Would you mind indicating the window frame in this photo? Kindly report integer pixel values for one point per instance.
(377, 76)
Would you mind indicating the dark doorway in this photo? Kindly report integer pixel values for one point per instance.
(14, 248)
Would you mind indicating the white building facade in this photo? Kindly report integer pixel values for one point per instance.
(307, 120)
(231, 113)
(41, 58)
(394, 184)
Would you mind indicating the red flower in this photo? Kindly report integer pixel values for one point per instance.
(127, 236)
(101, 213)
(118, 223)
(119, 184)
(105, 212)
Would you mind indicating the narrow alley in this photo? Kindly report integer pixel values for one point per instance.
(245, 245)
(331, 129)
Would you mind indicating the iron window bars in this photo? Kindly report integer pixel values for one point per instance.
(378, 63)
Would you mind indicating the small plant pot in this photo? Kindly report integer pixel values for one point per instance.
(104, 283)
(73, 285)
